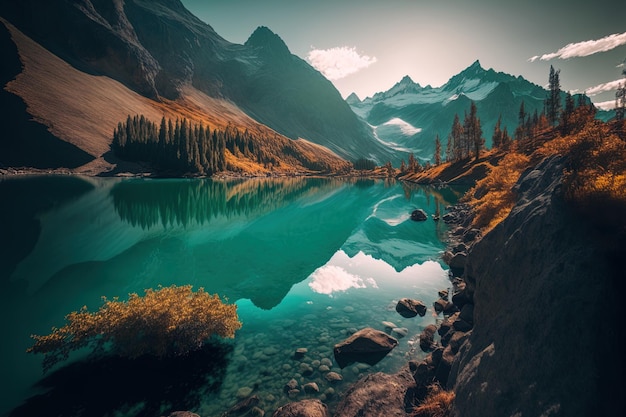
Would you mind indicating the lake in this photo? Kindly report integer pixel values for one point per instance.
(308, 261)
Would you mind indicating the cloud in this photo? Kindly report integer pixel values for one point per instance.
(603, 88)
(331, 278)
(605, 105)
(338, 62)
(585, 48)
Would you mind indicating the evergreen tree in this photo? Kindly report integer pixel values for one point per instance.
(473, 133)
(567, 114)
(437, 150)
(496, 139)
(553, 101)
(520, 131)
(413, 165)
(457, 139)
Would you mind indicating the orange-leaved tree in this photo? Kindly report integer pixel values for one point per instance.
(168, 321)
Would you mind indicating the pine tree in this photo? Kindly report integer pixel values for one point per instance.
(457, 139)
(496, 139)
(553, 101)
(412, 163)
(437, 150)
(567, 114)
(520, 131)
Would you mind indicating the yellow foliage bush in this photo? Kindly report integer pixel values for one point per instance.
(438, 403)
(169, 321)
(495, 190)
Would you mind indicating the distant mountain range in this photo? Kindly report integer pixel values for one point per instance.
(78, 67)
(408, 116)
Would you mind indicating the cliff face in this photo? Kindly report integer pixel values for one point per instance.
(545, 337)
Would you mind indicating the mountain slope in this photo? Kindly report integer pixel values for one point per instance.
(430, 111)
(160, 51)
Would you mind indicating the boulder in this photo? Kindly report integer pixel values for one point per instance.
(378, 395)
(445, 307)
(311, 388)
(419, 215)
(333, 377)
(367, 345)
(408, 307)
(304, 408)
(427, 338)
(458, 260)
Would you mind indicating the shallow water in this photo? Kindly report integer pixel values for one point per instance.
(308, 262)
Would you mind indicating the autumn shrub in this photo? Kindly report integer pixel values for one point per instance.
(438, 403)
(492, 197)
(168, 321)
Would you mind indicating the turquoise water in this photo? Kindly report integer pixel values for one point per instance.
(307, 261)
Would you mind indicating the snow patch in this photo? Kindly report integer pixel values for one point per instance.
(405, 127)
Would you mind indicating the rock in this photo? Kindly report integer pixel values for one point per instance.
(377, 395)
(244, 392)
(257, 412)
(471, 235)
(388, 324)
(458, 260)
(292, 384)
(419, 215)
(242, 407)
(311, 388)
(427, 338)
(445, 307)
(400, 331)
(367, 345)
(408, 307)
(443, 294)
(323, 368)
(462, 296)
(304, 408)
(300, 352)
(333, 377)
(182, 414)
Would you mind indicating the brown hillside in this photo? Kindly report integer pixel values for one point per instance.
(84, 109)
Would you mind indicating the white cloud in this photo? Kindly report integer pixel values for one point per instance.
(585, 48)
(338, 62)
(605, 105)
(331, 278)
(603, 88)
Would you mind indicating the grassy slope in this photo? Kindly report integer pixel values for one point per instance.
(83, 109)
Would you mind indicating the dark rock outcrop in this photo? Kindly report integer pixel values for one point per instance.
(408, 307)
(367, 345)
(520, 357)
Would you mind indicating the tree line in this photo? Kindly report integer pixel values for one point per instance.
(184, 147)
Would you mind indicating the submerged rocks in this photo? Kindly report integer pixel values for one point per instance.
(304, 408)
(408, 307)
(367, 345)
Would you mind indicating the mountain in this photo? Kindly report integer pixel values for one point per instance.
(78, 67)
(409, 116)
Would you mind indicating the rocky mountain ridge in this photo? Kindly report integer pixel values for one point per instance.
(166, 57)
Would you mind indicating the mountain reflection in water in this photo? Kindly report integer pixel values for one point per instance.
(262, 240)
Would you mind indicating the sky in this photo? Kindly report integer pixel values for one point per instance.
(366, 46)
